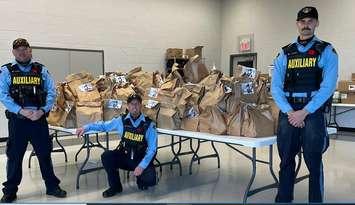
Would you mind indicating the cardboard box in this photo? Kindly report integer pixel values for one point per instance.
(343, 85)
(191, 52)
(348, 98)
(172, 53)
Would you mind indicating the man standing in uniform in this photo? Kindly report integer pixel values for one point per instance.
(136, 150)
(303, 82)
(27, 91)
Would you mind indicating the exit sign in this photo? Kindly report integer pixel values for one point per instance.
(245, 43)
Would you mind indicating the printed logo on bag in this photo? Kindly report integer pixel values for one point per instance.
(86, 87)
(351, 87)
(247, 88)
(192, 113)
(114, 104)
(248, 72)
(121, 80)
(151, 104)
(54, 108)
(227, 89)
(118, 79)
(153, 92)
(68, 107)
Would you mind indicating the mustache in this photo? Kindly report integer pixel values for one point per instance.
(306, 28)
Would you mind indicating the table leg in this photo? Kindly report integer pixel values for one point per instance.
(247, 190)
(81, 170)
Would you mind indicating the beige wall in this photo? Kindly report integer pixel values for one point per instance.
(137, 32)
(131, 32)
(134, 32)
(273, 25)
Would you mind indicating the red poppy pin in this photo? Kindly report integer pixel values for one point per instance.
(35, 69)
(312, 52)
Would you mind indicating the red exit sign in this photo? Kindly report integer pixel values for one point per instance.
(245, 43)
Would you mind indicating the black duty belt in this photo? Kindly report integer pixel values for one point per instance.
(298, 100)
(10, 115)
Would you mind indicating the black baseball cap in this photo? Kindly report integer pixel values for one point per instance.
(20, 42)
(134, 97)
(307, 12)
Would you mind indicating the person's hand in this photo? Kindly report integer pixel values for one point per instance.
(296, 118)
(138, 171)
(26, 112)
(36, 115)
(80, 131)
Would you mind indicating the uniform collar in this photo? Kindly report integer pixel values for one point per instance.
(140, 118)
(14, 62)
(311, 42)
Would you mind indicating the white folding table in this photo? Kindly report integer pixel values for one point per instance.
(230, 141)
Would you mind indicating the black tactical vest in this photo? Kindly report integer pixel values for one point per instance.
(133, 142)
(27, 88)
(303, 74)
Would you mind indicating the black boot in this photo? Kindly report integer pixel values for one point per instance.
(142, 187)
(57, 192)
(112, 191)
(8, 198)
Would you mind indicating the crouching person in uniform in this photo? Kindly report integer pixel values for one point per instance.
(27, 91)
(136, 151)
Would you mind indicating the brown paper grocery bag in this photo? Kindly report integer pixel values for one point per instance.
(113, 108)
(275, 113)
(213, 97)
(58, 115)
(158, 79)
(211, 120)
(168, 117)
(190, 119)
(235, 122)
(140, 79)
(117, 79)
(165, 96)
(87, 92)
(102, 83)
(88, 112)
(210, 81)
(122, 93)
(197, 92)
(70, 121)
(169, 85)
(181, 99)
(254, 92)
(76, 79)
(257, 121)
(68, 95)
(150, 109)
(60, 99)
(194, 71)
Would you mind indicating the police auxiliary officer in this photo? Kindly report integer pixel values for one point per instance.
(137, 148)
(27, 91)
(304, 80)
